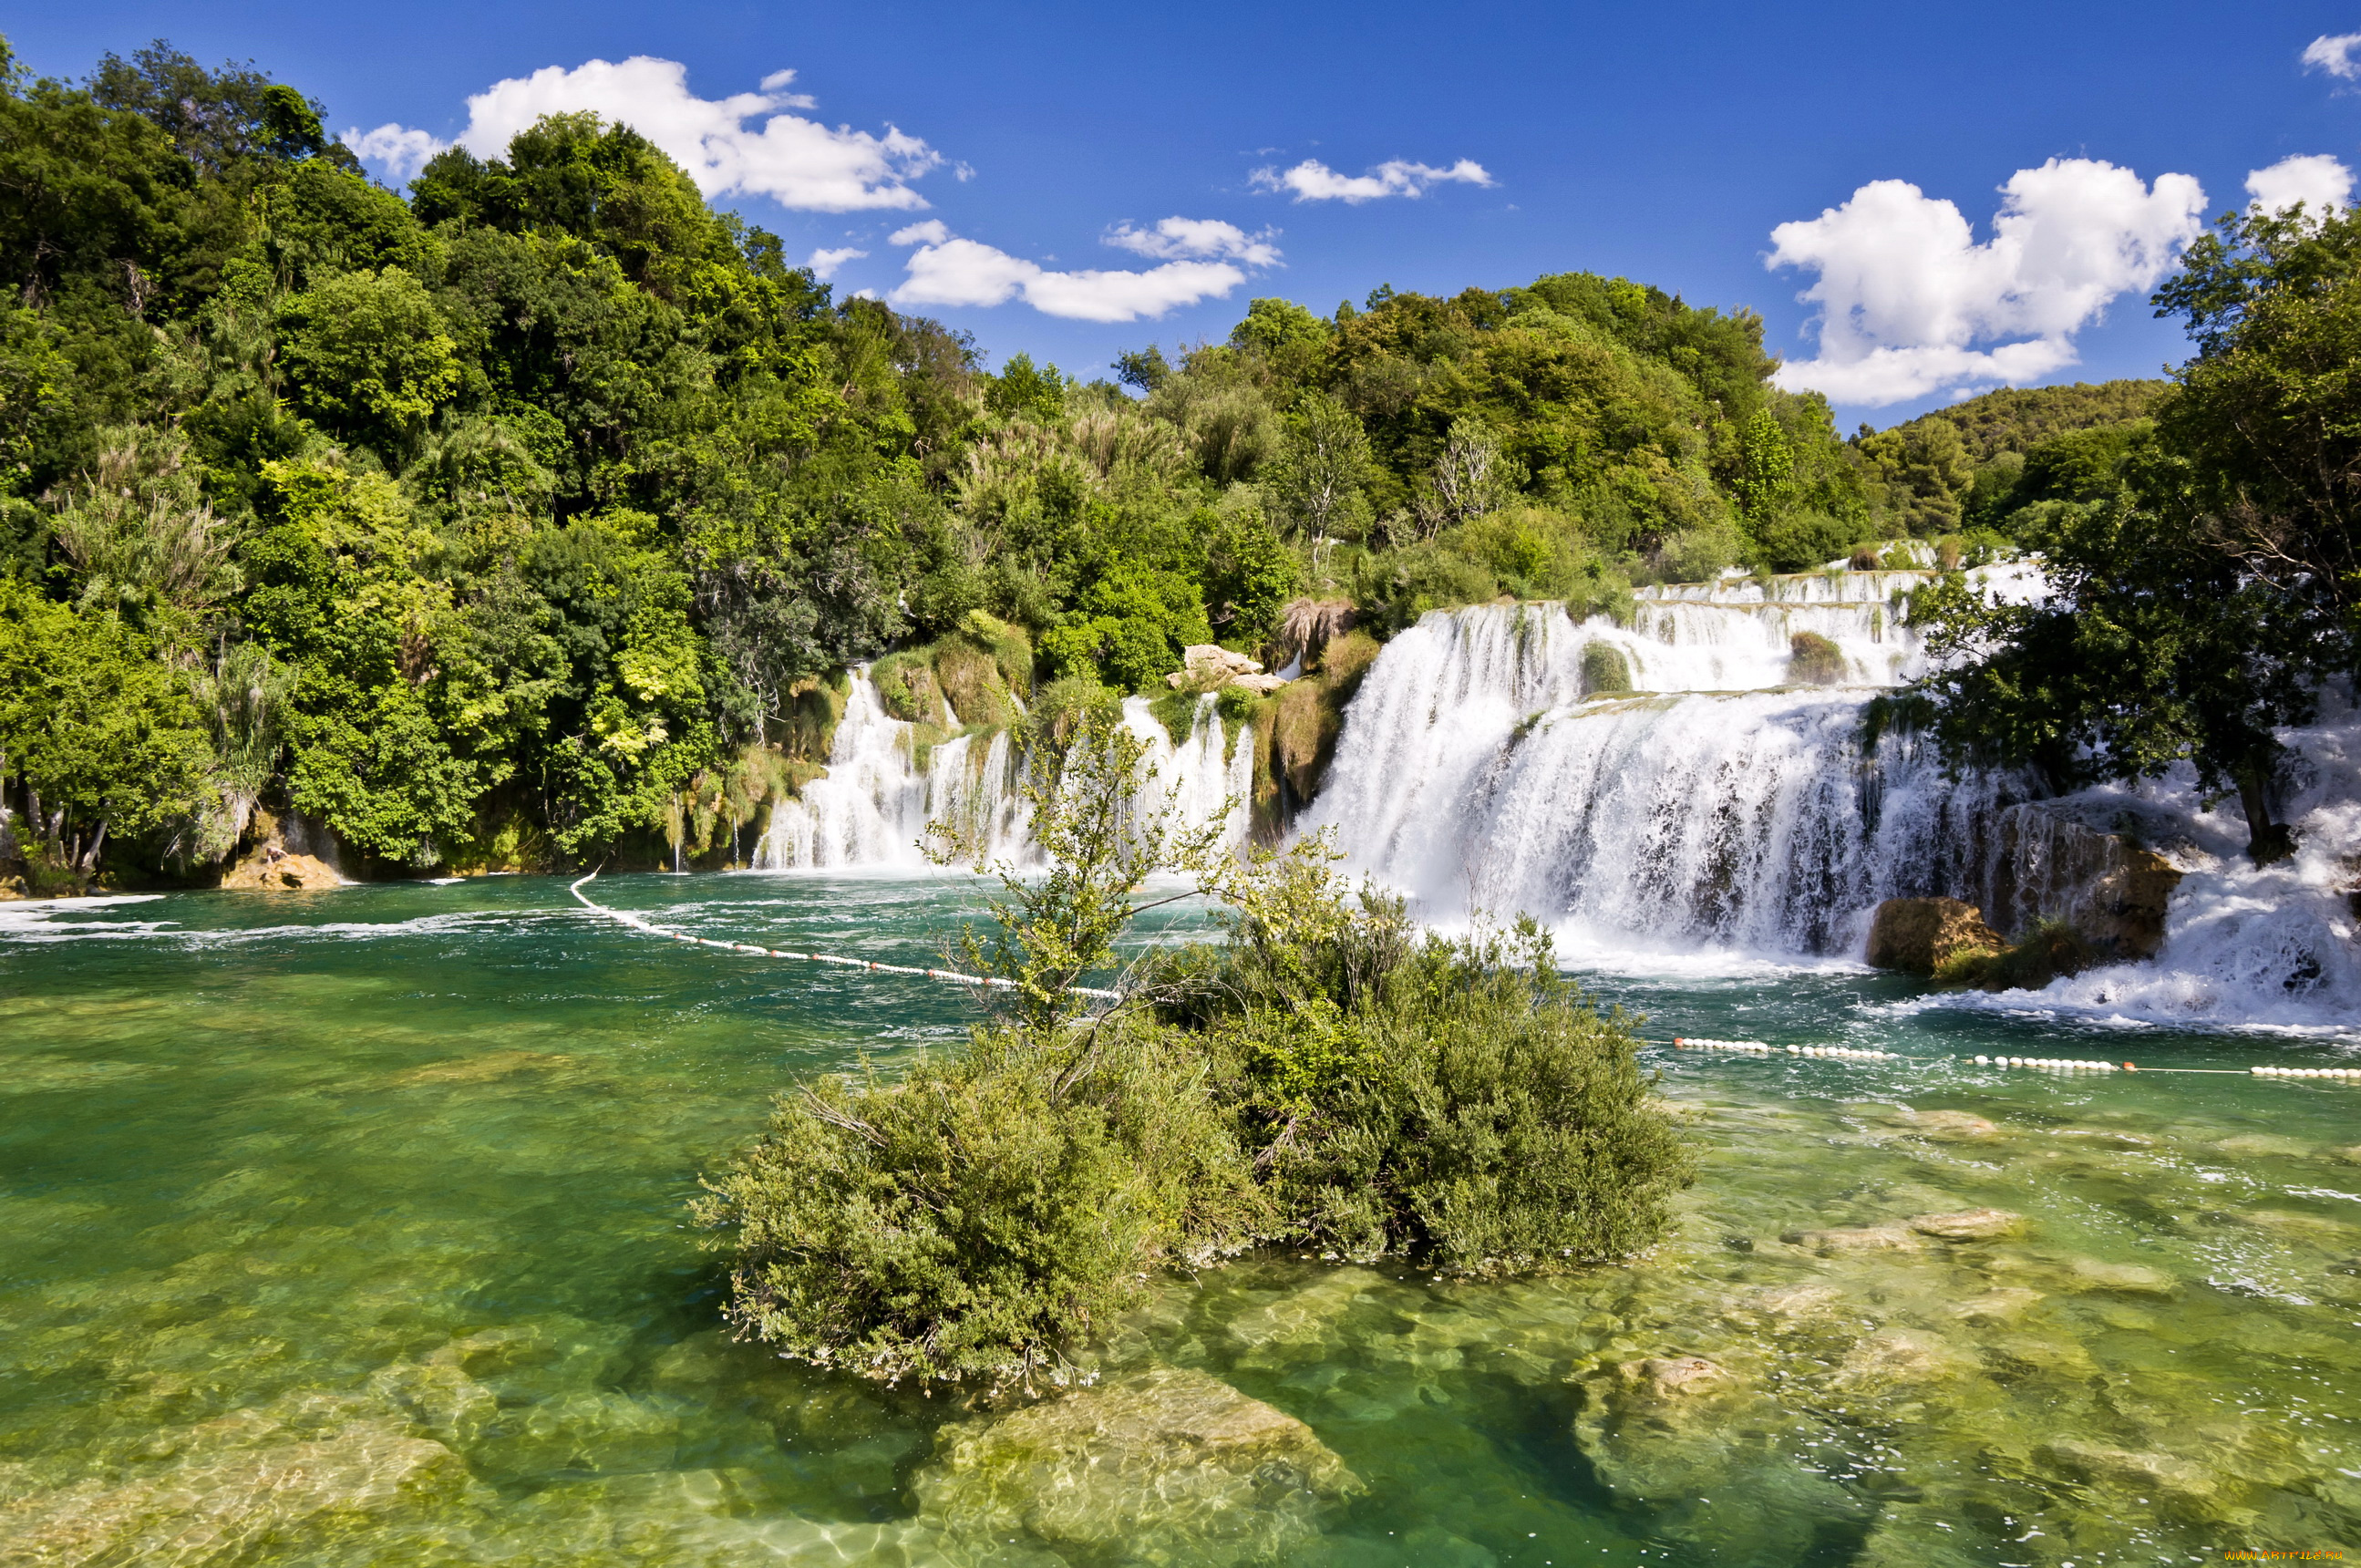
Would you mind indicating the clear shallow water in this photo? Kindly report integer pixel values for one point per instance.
(346, 1229)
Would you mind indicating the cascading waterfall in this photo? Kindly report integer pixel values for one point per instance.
(880, 795)
(1717, 808)
(1705, 806)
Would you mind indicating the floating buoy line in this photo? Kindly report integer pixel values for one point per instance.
(2055, 1064)
(1678, 1042)
(638, 923)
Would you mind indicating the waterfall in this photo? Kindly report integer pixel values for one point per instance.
(883, 789)
(1717, 806)
(1711, 803)
(1473, 773)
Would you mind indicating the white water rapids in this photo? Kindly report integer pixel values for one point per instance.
(1716, 812)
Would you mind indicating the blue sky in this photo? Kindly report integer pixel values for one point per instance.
(1663, 143)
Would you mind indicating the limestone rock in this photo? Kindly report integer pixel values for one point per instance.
(1169, 1465)
(1897, 1357)
(1920, 935)
(2113, 891)
(2124, 1469)
(1950, 1126)
(277, 868)
(1261, 686)
(1208, 666)
(225, 1497)
(2003, 1305)
(1871, 1238)
(1968, 1225)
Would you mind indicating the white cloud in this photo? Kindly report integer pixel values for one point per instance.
(795, 162)
(824, 263)
(399, 149)
(1311, 180)
(947, 271)
(2335, 55)
(1178, 239)
(1911, 304)
(2318, 181)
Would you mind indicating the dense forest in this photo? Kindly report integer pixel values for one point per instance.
(532, 517)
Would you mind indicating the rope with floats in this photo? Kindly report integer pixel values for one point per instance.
(1678, 1042)
(639, 923)
(2054, 1063)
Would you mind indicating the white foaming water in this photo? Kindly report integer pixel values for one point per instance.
(874, 807)
(1713, 813)
(2275, 948)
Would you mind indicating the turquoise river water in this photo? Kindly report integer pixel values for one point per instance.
(349, 1229)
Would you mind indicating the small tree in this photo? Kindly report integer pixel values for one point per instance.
(1105, 835)
(1321, 468)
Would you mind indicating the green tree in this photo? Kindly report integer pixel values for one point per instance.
(369, 355)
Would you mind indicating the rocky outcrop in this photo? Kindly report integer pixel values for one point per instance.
(277, 868)
(1167, 1466)
(1922, 935)
(1208, 666)
(2114, 891)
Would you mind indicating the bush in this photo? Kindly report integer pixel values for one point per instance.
(1605, 670)
(1814, 661)
(1324, 1079)
(972, 1219)
(2049, 950)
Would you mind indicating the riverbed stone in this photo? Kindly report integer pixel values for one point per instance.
(1921, 934)
(1968, 1224)
(225, 1497)
(1948, 1127)
(1867, 1238)
(2003, 1305)
(1169, 1465)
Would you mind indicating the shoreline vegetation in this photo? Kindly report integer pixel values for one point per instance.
(1326, 1080)
(531, 517)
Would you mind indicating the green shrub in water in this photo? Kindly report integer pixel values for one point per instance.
(1326, 1079)
(1814, 661)
(1605, 670)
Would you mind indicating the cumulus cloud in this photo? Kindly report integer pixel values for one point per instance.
(825, 262)
(2318, 181)
(1311, 180)
(947, 270)
(1910, 303)
(399, 151)
(2335, 55)
(746, 144)
(1187, 239)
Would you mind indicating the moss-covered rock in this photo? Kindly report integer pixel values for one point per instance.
(1606, 670)
(1169, 1465)
(1922, 936)
(1814, 661)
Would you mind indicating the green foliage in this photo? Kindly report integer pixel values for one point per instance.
(97, 734)
(1814, 661)
(1605, 672)
(2203, 572)
(975, 1218)
(1325, 1079)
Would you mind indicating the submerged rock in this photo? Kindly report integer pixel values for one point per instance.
(237, 1484)
(1171, 1466)
(1869, 1238)
(1921, 934)
(1948, 1127)
(1968, 1225)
